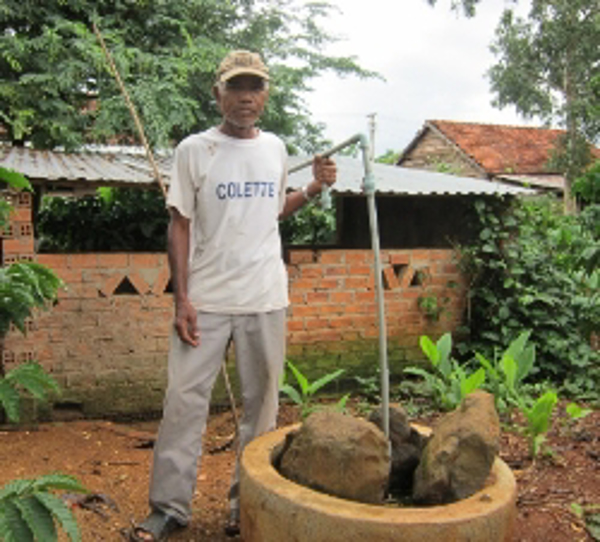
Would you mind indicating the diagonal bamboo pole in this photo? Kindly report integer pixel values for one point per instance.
(161, 184)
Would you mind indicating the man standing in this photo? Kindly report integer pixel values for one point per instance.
(227, 192)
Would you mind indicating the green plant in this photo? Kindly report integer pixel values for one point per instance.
(539, 417)
(505, 375)
(449, 383)
(576, 412)
(304, 395)
(29, 377)
(531, 268)
(30, 511)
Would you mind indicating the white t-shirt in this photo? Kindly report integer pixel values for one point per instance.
(233, 191)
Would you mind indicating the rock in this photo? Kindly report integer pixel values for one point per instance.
(407, 447)
(339, 455)
(458, 457)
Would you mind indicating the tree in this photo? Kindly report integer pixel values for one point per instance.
(468, 6)
(548, 68)
(56, 89)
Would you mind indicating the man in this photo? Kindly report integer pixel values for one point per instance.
(228, 190)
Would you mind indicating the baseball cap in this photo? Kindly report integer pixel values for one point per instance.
(241, 63)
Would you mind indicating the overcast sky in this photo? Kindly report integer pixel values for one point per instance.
(433, 60)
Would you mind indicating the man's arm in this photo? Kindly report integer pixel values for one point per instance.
(324, 172)
(178, 249)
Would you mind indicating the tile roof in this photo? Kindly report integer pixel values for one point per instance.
(502, 149)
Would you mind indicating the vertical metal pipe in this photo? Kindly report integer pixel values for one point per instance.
(369, 190)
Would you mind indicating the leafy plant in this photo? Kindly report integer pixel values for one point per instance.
(528, 270)
(539, 417)
(24, 286)
(30, 511)
(30, 377)
(507, 373)
(304, 395)
(449, 383)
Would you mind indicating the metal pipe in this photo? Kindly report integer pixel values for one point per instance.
(369, 190)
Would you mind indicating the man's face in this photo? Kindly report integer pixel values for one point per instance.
(242, 100)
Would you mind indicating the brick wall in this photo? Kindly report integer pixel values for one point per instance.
(432, 151)
(17, 238)
(106, 339)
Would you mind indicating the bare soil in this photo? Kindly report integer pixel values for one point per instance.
(113, 459)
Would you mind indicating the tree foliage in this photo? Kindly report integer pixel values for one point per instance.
(51, 65)
(548, 69)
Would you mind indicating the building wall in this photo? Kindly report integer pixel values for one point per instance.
(17, 238)
(106, 339)
(433, 152)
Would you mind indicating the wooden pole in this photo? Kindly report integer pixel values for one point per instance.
(132, 110)
(158, 177)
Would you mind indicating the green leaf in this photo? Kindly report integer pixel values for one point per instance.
(300, 378)
(292, 393)
(429, 349)
(540, 415)
(63, 482)
(17, 529)
(62, 513)
(38, 518)
(509, 368)
(32, 377)
(576, 412)
(473, 382)
(323, 381)
(10, 400)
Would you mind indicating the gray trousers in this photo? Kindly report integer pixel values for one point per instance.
(259, 341)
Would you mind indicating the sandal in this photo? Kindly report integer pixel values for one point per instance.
(158, 525)
(232, 527)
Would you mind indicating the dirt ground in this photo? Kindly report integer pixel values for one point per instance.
(114, 459)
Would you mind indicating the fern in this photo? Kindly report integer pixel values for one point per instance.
(29, 511)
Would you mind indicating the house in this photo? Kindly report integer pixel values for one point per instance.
(510, 154)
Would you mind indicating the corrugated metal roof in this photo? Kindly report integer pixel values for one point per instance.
(396, 180)
(81, 167)
(100, 168)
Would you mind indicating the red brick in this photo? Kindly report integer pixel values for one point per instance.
(420, 255)
(328, 284)
(326, 335)
(18, 245)
(358, 256)
(359, 270)
(303, 310)
(336, 270)
(332, 256)
(83, 261)
(146, 260)
(316, 323)
(317, 297)
(54, 261)
(338, 322)
(389, 278)
(407, 277)
(311, 272)
(113, 261)
(296, 298)
(304, 284)
(295, 325)
(356, 283)
(301, 256)
(342, 297)
(161, 281)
